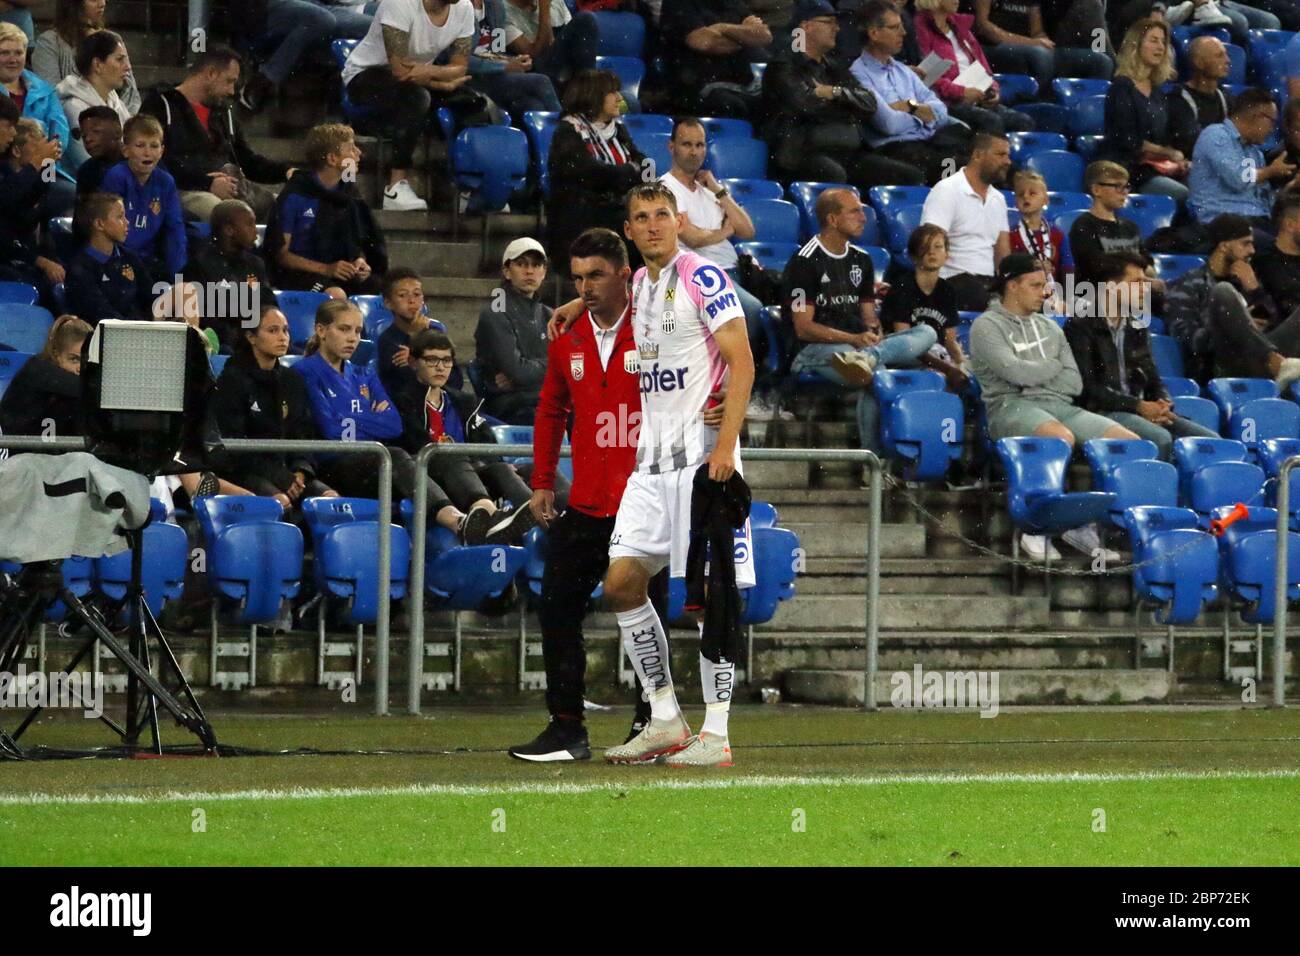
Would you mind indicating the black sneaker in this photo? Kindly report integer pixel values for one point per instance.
(474, 526)
(639, 724)
(509, 527)
(255, 92)
(561, 740)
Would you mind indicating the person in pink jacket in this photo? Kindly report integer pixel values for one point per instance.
(941, 29)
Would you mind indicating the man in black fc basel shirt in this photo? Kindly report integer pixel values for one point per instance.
(830, 302)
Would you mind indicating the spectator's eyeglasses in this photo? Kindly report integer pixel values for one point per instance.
(1123, 187)
(439, 361)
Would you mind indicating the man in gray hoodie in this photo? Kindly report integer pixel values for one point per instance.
(1028, 377)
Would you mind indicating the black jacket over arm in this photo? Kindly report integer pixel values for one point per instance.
(415, 421)
(1094, 352)
(579, 177)
(41, 390)
(345, 226)
(794, 112)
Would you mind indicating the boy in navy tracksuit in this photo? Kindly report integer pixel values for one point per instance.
(105, 279)
(153, 206)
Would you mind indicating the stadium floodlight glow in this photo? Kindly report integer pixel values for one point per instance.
(143, 365)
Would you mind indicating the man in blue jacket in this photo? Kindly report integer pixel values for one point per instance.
(349, 403)
(153, 205)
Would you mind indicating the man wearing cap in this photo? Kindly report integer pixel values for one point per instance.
(510, 339)
(1224, 318)
(1029, 380)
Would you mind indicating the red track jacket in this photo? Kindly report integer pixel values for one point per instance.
(606, 407)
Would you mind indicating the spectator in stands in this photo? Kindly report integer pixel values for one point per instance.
(910, 123)
(940, 29)
(507, 78)
(1029, 380)
(923, 298)
(707, 44)
(101, 135)
(830, 302)
(321, 233)
(153, 206)
(432, 412)
(1218, 338)
(231, 273)
(1036, 236)
(1229, 172)
(258, 398)
(206, 150)
(22, 192)
(848, 46)
(561, 44)
(1076, 24)
(1290, 134)
(44, 398)
(403, 294)
(1201, 100)
(1112, 349)
(1016, 41)
(973, 214)
(106, 280)
(1100, 230)
(593, 162)
(300, 26)
(38, 100)
(510, 338)
(816, 112)
(102, 66)
(1137, 117)
(1278, 266)
(55, 55)
(349, 401)
(392, 71)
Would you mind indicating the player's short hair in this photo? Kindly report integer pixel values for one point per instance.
(918, 243)
(325, 139)
(600, 243)
(13, 34)
(66, 330)
(649, 192)
(216, 57)
(99, 45)
(830, 202)
(226, 212)
(1112, 266)
(1101, 169)
(983, 139)
(141, 125)
(1286, 206)
(394, 276)
(26, 130)
(92, 113)
(95, 206)
(680, 121)
(427, 339)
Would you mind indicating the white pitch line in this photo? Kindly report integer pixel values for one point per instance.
(464, 790)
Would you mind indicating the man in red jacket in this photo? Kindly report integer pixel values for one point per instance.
(591, 373)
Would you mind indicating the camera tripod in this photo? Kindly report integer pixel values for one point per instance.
(23, 605)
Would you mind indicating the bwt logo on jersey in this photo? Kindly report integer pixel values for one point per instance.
(710, 280)
(721, 302)
(663, 379)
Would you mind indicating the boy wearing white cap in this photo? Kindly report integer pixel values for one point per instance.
(510, 340)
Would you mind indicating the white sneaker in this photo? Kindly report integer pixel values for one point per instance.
(400, 197)
(1209, 15)
(759, 409)
(1178, 13)
(858, 368)
(1288, 373)
(1038, 547)
(1087, 540)
(706, 750)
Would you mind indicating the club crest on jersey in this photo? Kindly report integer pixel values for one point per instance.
(855, 275)
(365, 391)
(575, 366)
(631, 363)
(649, 351)
(709, 280)
(155, 206)
(669, 321)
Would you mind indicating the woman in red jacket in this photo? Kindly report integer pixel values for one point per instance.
(941, 29)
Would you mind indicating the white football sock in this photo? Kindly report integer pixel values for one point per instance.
(647, 646)
(718, 683)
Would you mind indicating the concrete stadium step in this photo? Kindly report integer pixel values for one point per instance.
(845, 688)
(914, 612)
(429, 257)
(849, 539)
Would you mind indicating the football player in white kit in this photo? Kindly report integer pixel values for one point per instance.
(690, 335)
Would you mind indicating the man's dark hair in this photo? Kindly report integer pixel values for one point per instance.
(680, 121)
(602, 243)
(9, 112)
(427, 339)
(96, 46)
(587, 90)
(1248, 101)
(873, 13)
(1286, 206)
(226, 212)
(92, 113)
(1111, 266)
(984, 139)
(95, 206)
(216, 57)
(394, 276)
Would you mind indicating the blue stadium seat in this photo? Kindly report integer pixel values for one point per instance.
(1088, 116)
(1184, 35)
(1061, 170)
(18, 293)
(24, 328)
(722, 127)
(345, 536)
(620, 34)
(1270, 454)
(1104, 455)
(1236, 65)
(1024, 145)
(880, 260)
(514, 435)
(776, 555)
(636, 123)
(164, 559)
(763, 514)
(747, 190)
(77, 575)
(1222, 484)
(899, 223)
(926, 429)
(1016, 87)
(1168, 356)
(769, 319)
(1087, 145)
(218, 364)
(1170, 267)
(1192, 454)
(1179, 387)
(1264, 50)
(10, 363)
(1249, 569)
(254, 559)
(804, 195)
(737, 158)
(891, 384)
(61, 234)
(883, 197)
(1036, 496)
(1064, 220)
(1150, 212)
(1263, 418)
(1047, 117)
(630, 72)
(1140, 482)
(289, 361)
(491, 162)
(772, 256)
(1066, 199)
(1176, 565)
(299, 307)
(655, 148)
(375, 316)
(1231, 393)
(1068, 90)
(775, 220)
(364, 354)
(539, 126)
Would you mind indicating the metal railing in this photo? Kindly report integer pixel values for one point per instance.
(420, 519)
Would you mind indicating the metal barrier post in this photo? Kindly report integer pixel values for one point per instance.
(1279, 580)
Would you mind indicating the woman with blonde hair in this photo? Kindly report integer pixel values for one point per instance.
(1137, 116)
(44, 398)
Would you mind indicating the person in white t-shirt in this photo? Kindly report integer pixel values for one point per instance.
(392, 71)
(711, 218)
(561, 43)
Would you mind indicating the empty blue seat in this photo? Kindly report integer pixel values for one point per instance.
(218, 364)
(1270, 454)
(1264, 49)
(1087, 145)
(1047, 117)
(1065, 220)
(1222, 484)
(491, 162)
(899, 223)
(1016, 87)
(1106, 454)
(638, 123)
(345, 536)
(776, 556)
(1036, 496)
(299, 307)
(1148, 219)
(883, 197)
(24, 328)
(1088, 116)
(1236, 65)
(775, 220)
(254, 559)
(1068, 90)
(731, 158)
(747, 190)
(539, 126)
(1261, 419)
(1231, 393)
(1140, 482)
(1176, 565)
(926, 429)
(722, 127)
(1192, 454)
(1064, 200)
(655, 148)
(619, 34)
(375, 317)
(1168, 356)
(10, 363)
(762, 514)
(19, 293)
(1200, 410)
(461, 578)
(890, 384)
(1179, 387)
(1024, 145)
(164, 559)
(880, 260)
(1249, 570)
(772, 256)
(1170, 267)
(1061, 170)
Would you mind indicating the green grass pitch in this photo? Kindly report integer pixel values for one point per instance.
(810, 786)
